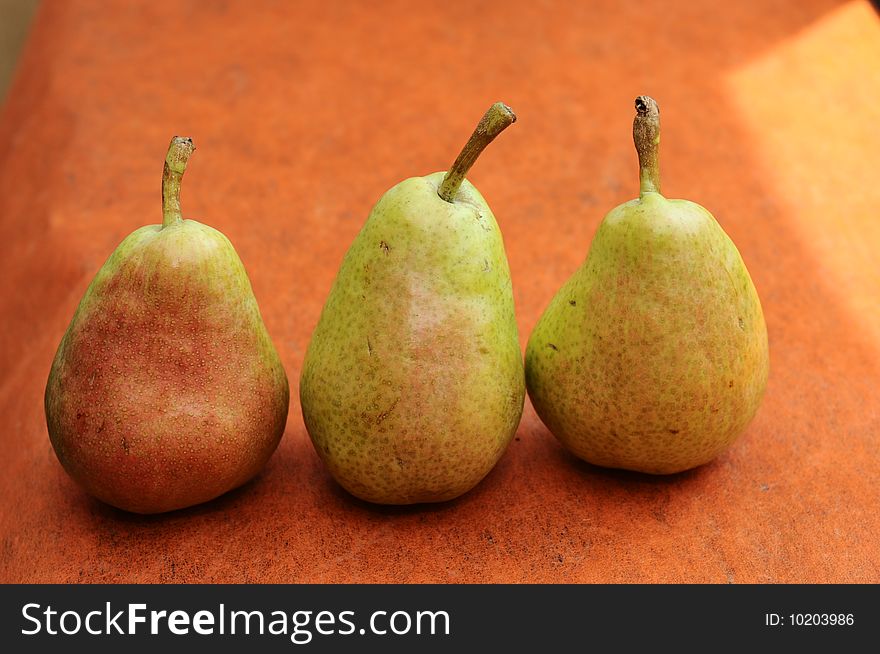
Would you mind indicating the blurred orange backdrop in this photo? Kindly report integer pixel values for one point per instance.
(304, 113)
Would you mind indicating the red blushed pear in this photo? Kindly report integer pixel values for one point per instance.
(653, 356)
(412, 386)
(166, 390)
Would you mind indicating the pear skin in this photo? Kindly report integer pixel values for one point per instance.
(413, 386)
(653, 356)
(166, 390)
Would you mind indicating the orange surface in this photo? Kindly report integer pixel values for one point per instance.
(305, 113)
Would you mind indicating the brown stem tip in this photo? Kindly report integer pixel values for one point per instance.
(647, 106)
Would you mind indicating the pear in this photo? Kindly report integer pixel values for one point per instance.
(653, 355)
(413, 385)
(166, 390)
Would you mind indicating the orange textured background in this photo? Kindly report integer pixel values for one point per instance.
(304, 113)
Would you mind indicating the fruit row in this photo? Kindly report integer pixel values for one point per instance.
(166, 390)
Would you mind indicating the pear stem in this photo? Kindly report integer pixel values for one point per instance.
(646, 134)
(498, 118)
(179, 152)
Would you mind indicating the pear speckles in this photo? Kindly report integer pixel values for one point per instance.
(484, 224)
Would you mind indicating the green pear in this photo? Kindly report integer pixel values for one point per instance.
(413, 384)
(653, 356)
(166, 390)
